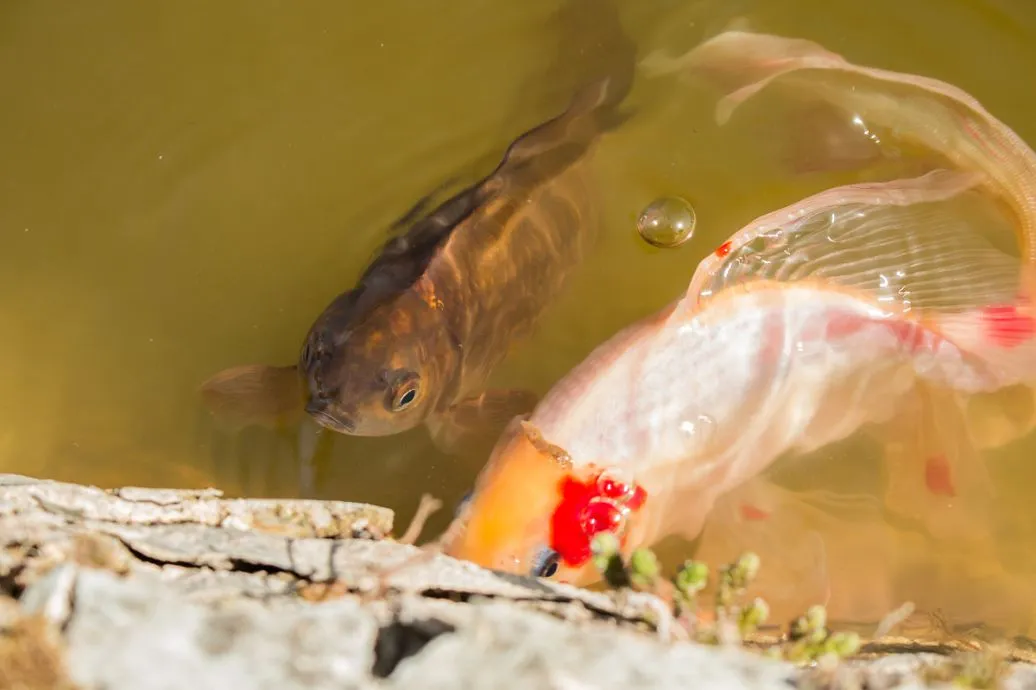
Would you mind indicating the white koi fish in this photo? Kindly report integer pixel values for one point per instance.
(900, 307)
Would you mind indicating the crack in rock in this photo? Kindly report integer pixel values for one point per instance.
(401, 640)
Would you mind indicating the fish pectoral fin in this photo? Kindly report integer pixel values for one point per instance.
(478, 420)
(785, 531)
(934, 473)
(254, 394)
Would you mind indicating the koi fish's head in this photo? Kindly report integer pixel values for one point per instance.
(533, 513)
(378, 372)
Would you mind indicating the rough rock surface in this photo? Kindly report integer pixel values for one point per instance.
(153, 589)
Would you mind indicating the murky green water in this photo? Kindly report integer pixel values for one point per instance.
(186, 185)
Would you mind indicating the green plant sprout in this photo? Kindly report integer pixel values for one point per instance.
(806, 640)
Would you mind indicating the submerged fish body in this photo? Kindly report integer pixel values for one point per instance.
(438, 309)
(888, 306)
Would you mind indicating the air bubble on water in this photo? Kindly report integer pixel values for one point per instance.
(617, 484)
(601, 515)
(667, 222)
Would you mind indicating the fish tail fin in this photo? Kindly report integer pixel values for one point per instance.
(254, 395)
(596, 46)
(821, 134)
(564, 139)
(930, 119)
(742, 63)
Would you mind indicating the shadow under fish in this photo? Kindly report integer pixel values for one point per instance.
(415, 342)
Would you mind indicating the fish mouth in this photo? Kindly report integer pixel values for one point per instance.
(326, 420)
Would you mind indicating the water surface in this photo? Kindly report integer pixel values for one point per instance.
(186, 186)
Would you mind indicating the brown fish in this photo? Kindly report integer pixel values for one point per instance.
(438, 309)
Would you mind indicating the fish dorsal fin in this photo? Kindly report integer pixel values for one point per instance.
(927, 112)
(532, 159)
(921, 245)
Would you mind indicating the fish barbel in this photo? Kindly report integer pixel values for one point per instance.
(891, 306)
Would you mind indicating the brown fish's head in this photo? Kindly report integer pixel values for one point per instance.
(379, 375)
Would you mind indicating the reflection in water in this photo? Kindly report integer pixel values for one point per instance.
(187, 187)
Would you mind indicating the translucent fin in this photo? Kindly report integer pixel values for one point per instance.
(1001, 334)
(927, 112)
(254, 395)
(1000, 417)
(475, 422)
(934, 474)
(826, 140)
(799, 537)
(842, 551)
(922, 245)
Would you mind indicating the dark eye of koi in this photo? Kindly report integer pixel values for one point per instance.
(546, 563)
(601, 504)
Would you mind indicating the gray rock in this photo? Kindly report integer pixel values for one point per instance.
(154, 589)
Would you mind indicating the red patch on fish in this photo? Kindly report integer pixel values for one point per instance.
(587, 509)
(724, 249)
(909, 333)
(841, 326)
(752, 513)
(938, 477)
(1006, 326)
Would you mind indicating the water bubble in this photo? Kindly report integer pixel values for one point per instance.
(667, 222)
(616, 484)
(601, 515)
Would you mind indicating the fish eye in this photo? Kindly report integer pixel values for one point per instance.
(405, 395)
(404, 399)
(546, 564)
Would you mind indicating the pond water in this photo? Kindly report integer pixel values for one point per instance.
(187, 185)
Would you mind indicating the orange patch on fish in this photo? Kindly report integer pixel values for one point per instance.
(724, 249)
(753, 513)
(373, 339)
(426, 289)
(938, 477)
(1006, 326)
